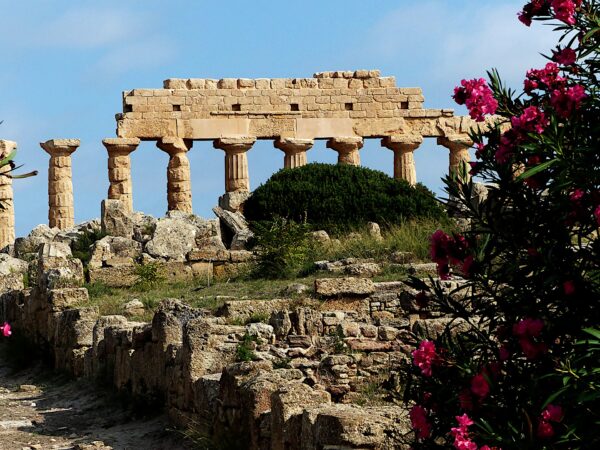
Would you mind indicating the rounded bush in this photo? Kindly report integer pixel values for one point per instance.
(340, 197)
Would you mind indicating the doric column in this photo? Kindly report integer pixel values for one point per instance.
(236, 162)
(403, 147)
(347, 148)
(119, 169)
(459, 153)
(295, 151)
(179, 179)
(60, 184)
(7, 208)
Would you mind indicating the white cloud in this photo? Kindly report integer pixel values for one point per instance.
(459, 42)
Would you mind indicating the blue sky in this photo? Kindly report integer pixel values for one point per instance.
(65, 63)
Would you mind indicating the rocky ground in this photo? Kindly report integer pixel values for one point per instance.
(39, 410)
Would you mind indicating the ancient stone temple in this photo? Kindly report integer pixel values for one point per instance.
(343, 108)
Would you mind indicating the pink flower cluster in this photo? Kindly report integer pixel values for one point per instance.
(566, 57)
(480, 386)
(597, 214)
(425, 357)
(462, 439)
(564, 10)
(531, 120)
(478, 98)
(546, 79)
(446, 250)
(418, 420)
(528, 331)
(552, 413)
(567, 100)
(5, 329)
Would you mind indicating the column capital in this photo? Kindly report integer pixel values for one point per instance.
(455, 141)
(239, 144)
(345, 144)
(293, 145)
(122, 146)
(63, 147)
(174, 145)
(402, 142)
(6, 147)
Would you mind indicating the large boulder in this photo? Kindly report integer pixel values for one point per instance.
(143, 227)
(42, 234)
(234, 228)
(9, 265)
(116, 219)
(173, 239)
(112, 251)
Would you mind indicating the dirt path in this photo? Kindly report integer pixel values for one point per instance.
(42, 411)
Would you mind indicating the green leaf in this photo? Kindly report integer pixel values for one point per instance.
(8, 159)
(537, 169)
(552, 397)
(593, 331)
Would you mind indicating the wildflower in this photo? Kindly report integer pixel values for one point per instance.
(531, 120)
(546, 79)
(479, 386)
(532, 9)
(544, 430)
(528, 327)
(477, 96)
(424, 357)
(565, 57)
(418, 419)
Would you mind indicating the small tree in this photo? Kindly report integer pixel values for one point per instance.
(526, 374)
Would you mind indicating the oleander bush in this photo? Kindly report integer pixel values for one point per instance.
(526, 374)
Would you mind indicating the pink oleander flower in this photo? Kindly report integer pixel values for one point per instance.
(462, 441)
(544, 430)
(597, 214)
(565, 57)
(477, 96)
(6, 329)
(531, 349)
(564, 10)
(546, 79)
(439, 246)
(553, 413)
(532, 9)
(566, 101)
(531, 120)
(465, 399)
(424, 357)
(569, 287)
(503, 353)
(528, 327)
(576, 195)
(418, 419)
(480, 386)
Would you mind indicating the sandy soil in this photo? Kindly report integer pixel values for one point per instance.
(40, 410)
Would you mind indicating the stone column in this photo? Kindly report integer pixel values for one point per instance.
(60, 184)
(179, 179)
(7, 208)
(347, 148)
(236, 162)
(295, 151)
(403, 147)
(119, 169)
(459, 153)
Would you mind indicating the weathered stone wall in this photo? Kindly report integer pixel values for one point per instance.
(329, 105)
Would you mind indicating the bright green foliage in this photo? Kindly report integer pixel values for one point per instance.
(339, 197)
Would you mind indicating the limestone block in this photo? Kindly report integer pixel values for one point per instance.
(234, 221)
(7, 213)
(9, 264)
(11, 282)
(75, 328)
(233, 201)
(66, 298)
(287, 407)
(179, 184)
(114, 251)
(116, 218)
(347, 148)
(350, 286)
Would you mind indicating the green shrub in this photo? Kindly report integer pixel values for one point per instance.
(245, 349)
(283, 248)
(339, 197)
(148, 276)
(81, 248)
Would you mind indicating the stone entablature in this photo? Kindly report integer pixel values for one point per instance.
(329, 105)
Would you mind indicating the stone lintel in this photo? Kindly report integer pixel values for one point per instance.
(173, 145)
(57, 146)
(455, 140)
